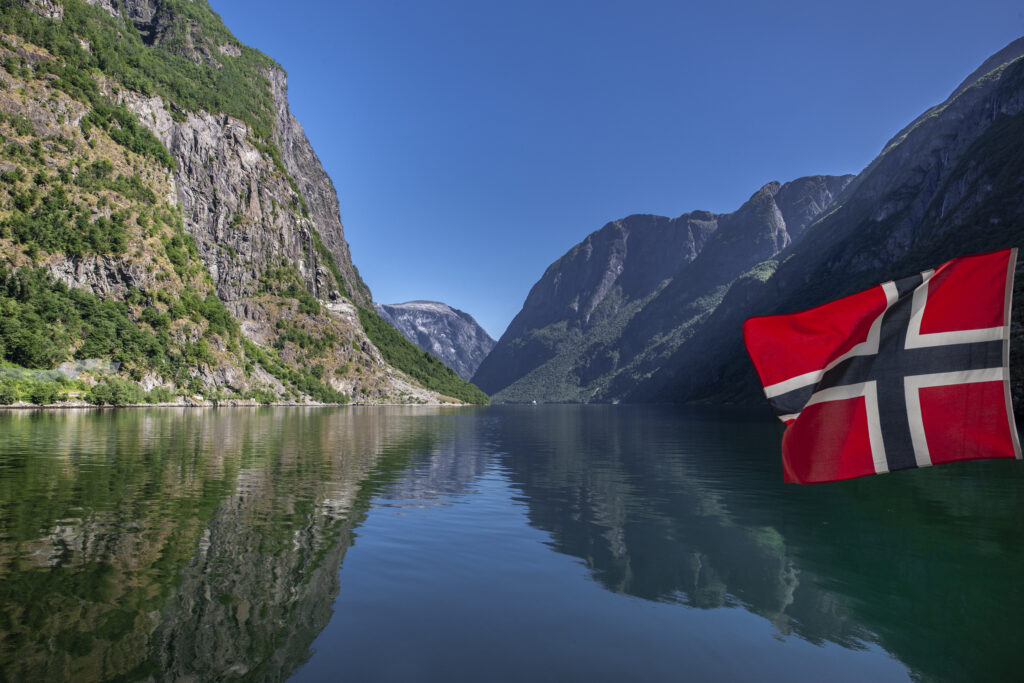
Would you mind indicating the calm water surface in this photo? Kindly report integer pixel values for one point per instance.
(503, 543)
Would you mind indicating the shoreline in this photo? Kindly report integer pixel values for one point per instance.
(231, 403)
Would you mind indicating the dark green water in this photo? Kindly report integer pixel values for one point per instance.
(506, 543)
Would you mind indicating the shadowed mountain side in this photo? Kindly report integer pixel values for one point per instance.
(568, 298)
(626, 297)
(949, 184)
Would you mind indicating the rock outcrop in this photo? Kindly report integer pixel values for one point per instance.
(242, 211)
(448, 333)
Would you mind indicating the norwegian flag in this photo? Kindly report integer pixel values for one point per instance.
(911, 373)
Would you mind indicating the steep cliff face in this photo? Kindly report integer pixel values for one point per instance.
(227, 176)
(628, 295)
(249, 217)
(94, 260)
(448, 333)
(261, 245)
(316, 187)
(948, 184)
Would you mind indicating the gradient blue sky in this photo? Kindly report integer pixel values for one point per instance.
(473, 143)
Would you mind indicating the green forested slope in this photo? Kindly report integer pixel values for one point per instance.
(96, 257)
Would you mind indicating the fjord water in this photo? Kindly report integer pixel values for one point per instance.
(501, 543)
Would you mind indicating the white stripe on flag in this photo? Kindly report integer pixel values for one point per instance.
(875, 429)
(1007, 304)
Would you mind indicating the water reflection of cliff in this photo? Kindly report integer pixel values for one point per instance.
(182, 544)
(177, 545)
(677, 505)
(645, 523)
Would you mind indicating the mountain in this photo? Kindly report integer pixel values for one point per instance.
(451, 335)
(617, 304)
(161, 211)
(949, 183)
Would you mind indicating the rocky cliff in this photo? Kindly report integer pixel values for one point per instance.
(948, 184)
(198, 207)
(448, 333)
(619, 302)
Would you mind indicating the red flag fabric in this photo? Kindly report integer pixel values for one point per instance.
(911, 373)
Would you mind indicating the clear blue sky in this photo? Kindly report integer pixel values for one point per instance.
(472, 143)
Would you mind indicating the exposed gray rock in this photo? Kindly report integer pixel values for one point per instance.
(111, 6)
(245, 216)
(153, 20)
(105, 276)
(448, 333)
(224, 376)
(240, 209)
(48, 9)
(141, 11)
(151, 381)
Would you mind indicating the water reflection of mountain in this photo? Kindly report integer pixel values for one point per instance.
(647, 525)
(182, 544)
(203, 545)
(674, 505)
(454, 463)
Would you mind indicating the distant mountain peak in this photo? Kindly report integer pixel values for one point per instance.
(448, 333)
